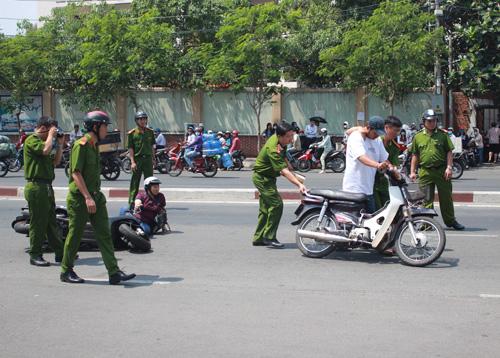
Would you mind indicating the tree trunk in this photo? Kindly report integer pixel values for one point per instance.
(18, 115)
(392, 107)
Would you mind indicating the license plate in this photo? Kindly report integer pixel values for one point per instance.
(299, 209)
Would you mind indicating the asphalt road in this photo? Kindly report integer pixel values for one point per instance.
(206, 292)
(479, 179)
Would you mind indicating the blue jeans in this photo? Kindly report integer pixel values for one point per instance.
(480, 151)
(146, 228)
(189, 154)
(371, 206)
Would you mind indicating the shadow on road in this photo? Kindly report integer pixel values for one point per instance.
(138, 281)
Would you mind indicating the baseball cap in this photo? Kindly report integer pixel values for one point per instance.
(377, 123)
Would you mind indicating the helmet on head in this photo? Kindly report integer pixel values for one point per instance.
(429, 114)
(235, 132)
(197, 129)
(157, 130)
(323, 130)
(140, 114)
(151, 181)
(219, 133)
(95, 118)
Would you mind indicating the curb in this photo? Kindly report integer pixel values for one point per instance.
(235, 195)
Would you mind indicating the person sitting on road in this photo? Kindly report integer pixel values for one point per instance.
(326, 145)
(193, 148)
(149, 204)
(364, 156)
(236, 144)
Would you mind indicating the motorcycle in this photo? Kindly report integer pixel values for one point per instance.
(15, 163)
(238, 159)
(125, 230)
(335, 160)
(457, 167)
(203, 164)
(110, 166)
(4, 167)
(328, 220)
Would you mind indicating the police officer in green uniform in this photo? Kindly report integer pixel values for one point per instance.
(432, 152)
(270, 164)
(381, 188)
(141, 141)
(86, 202)
(39, 173)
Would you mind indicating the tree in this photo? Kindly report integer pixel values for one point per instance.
(391, 52)
(250, 52)
(24, 68)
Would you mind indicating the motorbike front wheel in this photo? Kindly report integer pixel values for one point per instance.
(4, 168)
(457, 170)
(430, 241)
(312, 247)
(126, 165)
(210, 168)
(175, 168)
(136, 241)
(111, 170)
(14, 165)
(304, 165)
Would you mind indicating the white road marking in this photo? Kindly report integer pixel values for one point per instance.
(133, 281)
(487, 295)
(470, 235)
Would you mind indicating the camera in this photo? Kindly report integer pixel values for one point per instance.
(59, 133)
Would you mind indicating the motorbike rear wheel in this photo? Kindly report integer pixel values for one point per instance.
(14, 165)
(431, 242)
(237, 164)
(136, 241)
(210, 167)
(111, 170)
(337, 164)
(310, 247)
(126, 165)
(175, 168)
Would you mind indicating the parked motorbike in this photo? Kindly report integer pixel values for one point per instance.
(110, 166)
(125, 230)
(205, 165)
(328, 220)
(4, 167)
(15, 163)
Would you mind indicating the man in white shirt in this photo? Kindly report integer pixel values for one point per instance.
(364, 156)
(160, 140)
(76, 134)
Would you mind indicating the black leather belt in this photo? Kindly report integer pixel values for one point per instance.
(40, 181)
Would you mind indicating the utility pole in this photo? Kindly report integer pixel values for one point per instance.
(437, 67)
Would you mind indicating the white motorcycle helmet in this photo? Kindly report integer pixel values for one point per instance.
(151, 181)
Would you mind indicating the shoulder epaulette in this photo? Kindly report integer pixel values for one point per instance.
(131, 131)
(149, 129)
(83, 141)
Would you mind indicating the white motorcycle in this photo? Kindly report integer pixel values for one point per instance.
(329, 220)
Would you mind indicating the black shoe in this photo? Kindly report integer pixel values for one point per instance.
(39, 261)
(457, 226)
(261, 243)
(276, 244)
(120, 276)
(71, 277)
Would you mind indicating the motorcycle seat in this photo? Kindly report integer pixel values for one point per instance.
(340, 195)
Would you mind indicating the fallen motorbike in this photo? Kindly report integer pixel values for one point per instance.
(125, 230)
(329, 219)
(203, 164)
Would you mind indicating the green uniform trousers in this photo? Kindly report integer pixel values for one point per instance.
(428, 180)
(381, 192)
(78, 217)
(144, 166)
(43, 226)
(270, 208)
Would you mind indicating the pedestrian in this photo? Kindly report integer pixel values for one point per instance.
(160, 140)
(478, 139)
(39, 174)
(75, 134)
(392, 127)
(326, 145)
(402, 138)
(86, 202)
(364, 156)
(269, 131)
(141, 143)
(432, 151)
(269, 165)
(493, 136)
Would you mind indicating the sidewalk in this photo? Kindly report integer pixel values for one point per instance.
(234, 195)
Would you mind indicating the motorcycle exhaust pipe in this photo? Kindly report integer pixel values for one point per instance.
(320, 236)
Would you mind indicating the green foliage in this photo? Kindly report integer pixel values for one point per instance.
(391, 53)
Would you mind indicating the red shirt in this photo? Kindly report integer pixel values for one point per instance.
(151, 206)
(236, 145)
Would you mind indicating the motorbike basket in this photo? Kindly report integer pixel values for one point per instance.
(415, 194)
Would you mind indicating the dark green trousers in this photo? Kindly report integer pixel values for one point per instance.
(144, 166)
(381, 191)
(270, 208)
(43, 226)
(429, 180)
(78, 217)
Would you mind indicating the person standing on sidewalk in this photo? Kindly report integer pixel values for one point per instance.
(39, 173)
(269, 165)
(493, 140)
(392, 129)
(432, 152)
(141, 142)
(86, 202)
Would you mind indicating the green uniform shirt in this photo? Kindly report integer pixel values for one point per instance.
(141, 143)
(86, 160)
(432, 149)
(37, 165)
(269, 162)
(393, 151)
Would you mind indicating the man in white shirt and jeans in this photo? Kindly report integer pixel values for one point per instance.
(365, 155)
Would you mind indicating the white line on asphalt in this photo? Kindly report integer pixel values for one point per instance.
(470, 235)
(133, 281)
(487, 295)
